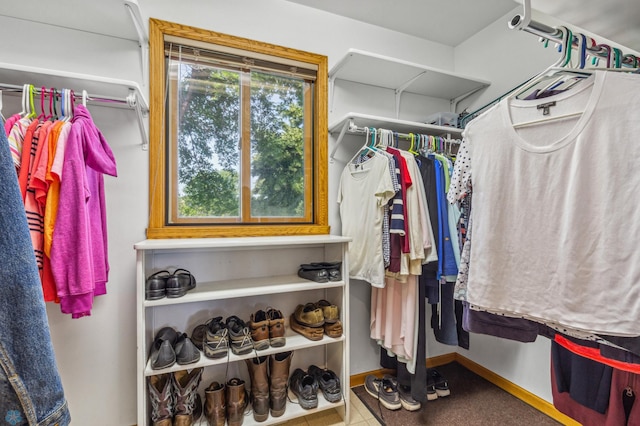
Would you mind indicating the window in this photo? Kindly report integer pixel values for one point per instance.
(238, 136)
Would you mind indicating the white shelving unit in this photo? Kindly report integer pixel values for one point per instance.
(237, 276)
(401, 76)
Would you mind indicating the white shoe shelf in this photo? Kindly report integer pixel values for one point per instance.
(238, 276)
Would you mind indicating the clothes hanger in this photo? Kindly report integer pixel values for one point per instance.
(72, 101)
(85, 96)
(1, 115)
(63, 112)
(555, 71)
(31, 108)
(43, 98)
(364, 150)
(54, 117)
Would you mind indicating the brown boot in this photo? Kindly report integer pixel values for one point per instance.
(279, 376)
(161, 397)
(214, 405)
(236, 402)
(259, 387)
(186, 389)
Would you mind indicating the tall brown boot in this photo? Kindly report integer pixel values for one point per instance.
(236, 401)
(214, 405)
(161, 397)
(279, 377)
(259, 387)
(186, 390)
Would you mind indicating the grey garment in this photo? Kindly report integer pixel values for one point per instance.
(30, 386)
(443, 317)
(481, 322)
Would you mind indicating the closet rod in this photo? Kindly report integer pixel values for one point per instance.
(129, 101)
(555, 34)
(355, 129)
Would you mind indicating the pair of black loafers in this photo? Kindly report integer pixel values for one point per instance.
(321, 272)
(163, 283)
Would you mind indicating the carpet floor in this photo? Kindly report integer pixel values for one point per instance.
(473, 401)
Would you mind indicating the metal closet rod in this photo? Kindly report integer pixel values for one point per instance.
(555, 34)
(130, 100)
(355, 129)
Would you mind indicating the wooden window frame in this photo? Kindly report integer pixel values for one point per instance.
(317, 185)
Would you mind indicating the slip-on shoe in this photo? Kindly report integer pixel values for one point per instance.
(310, 315)
(311, 333)
(155, 286)
(332, 268)
(330, 311)
(314, 273)
(180, 282)
(186, 351)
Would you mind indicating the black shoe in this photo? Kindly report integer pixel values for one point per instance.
(438, 382)
(155, 286)
(333, 269)
(328, 382)
(180, 282)
(313, 272)
(186, 351)
(305, 387)
(162, 353)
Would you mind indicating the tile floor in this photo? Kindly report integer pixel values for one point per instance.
(360, 416)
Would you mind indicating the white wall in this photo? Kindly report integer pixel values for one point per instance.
(96, 354)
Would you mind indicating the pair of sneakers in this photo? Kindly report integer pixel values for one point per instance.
(170, 347)
(389, 393)
(437, 385)
(305, 385)
(216, 336)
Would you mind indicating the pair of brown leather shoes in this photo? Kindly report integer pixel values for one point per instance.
(267, 329)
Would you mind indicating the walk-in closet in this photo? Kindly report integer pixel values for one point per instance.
(305, 212)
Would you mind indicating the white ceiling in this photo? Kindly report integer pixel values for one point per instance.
(449, 22)
(453, 21)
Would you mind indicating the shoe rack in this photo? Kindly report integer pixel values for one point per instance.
(238, 276)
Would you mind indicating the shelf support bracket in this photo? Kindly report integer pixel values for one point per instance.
(143, 41)
(132, 101)
(347, 124)
(402, 88)
(455, 101)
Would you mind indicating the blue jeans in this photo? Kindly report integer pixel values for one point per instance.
(30, 388)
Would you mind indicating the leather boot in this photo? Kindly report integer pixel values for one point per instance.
(186, 389)
(236, 401)
(214, 405)
(161, 397)
(279, 368)
(259, 387)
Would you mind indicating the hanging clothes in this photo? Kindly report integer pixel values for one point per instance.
(364, 190)
(79, 254)
(553, 208)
